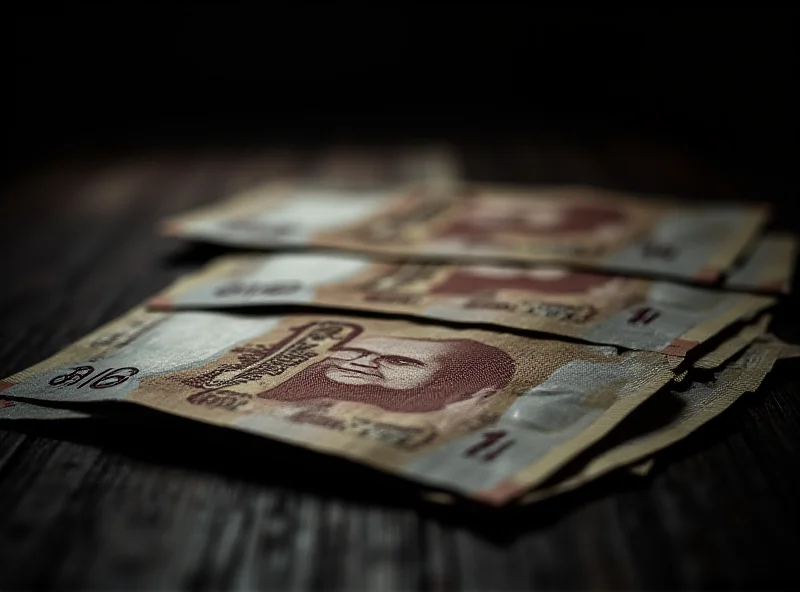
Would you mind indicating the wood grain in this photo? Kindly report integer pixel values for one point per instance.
(135, 500)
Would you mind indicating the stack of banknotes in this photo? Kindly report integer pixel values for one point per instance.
(497, 343)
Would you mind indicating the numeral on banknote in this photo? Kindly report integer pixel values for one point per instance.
(493, 444)
(82, 376)
(654, 250)
(644, 316)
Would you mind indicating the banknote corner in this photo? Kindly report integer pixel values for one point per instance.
(170, 228)
(159, 303)
(774, 287)
(706, 275)
(680, 347)
(500, 494)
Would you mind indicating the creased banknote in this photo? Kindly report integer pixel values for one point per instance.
(482, 413)
(769, 267)
(713, 359)
(669, 417)
(581, 226)
(788, 350)
(733, 344)
(628, 312)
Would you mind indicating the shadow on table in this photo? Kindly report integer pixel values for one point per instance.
(178, 442)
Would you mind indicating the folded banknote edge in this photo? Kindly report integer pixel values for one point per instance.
(539, 471)
(624, 455)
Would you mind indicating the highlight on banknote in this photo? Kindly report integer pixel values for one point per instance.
(583, 226)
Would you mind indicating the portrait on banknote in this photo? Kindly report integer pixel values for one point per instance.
(403, 375)
(346, 376)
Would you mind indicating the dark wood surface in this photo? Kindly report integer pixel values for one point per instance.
(151, 502)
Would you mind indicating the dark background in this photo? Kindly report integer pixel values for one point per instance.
(94, 77)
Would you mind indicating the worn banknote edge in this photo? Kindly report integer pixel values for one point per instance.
(639, 461)
(713, 360)
(628, 453)
(722, 260)
(745, 308)
(39, 409)
(23, 410)
(769, 267)
(87, 344)
(643, 468)
(515, 486)
(788, 350)
(733, 345)
(749, 307)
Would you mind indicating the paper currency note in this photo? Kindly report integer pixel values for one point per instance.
(664, 420)
(788, 350)
(769, 267)
(576, 225)
(716, 357)
(628, 312)
(22, 410)
(733, 344)
(485, 414)
(643, 468)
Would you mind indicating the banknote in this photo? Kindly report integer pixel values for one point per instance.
(628, 312)
(733, 344)
(716, 357)
(485, 414)
(788, 350)
(642, 469)
(23, 410)
(769, 267)
(664, 420)
(581, 226)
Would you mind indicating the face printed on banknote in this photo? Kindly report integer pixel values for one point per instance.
(402, 374)
(480, 412)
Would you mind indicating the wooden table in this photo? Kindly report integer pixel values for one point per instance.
(160, 503)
